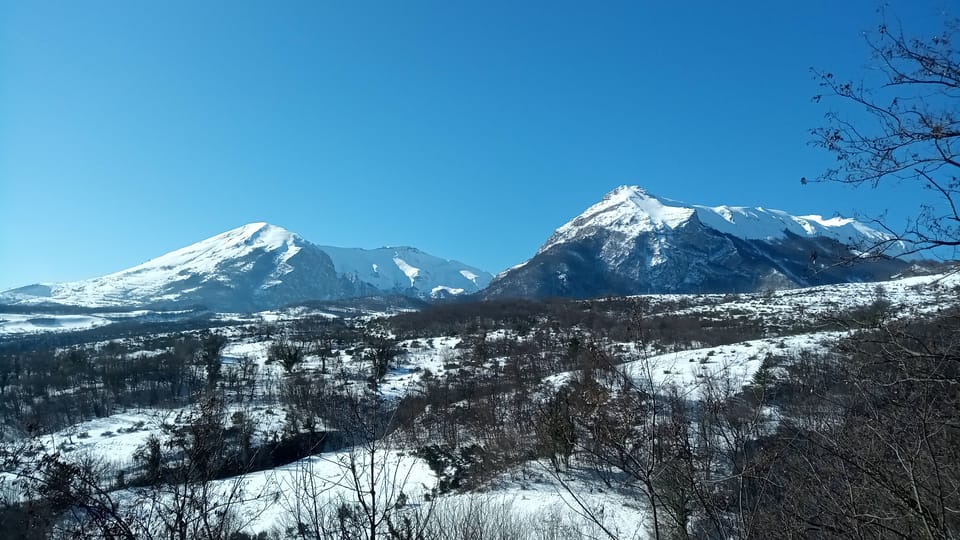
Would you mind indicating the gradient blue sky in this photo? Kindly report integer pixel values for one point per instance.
(468, 129)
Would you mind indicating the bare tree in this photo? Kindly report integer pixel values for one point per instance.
(196, 479)
(55, 497)
(357, 493)
(867, 445)
(911, 132)
(290, 353)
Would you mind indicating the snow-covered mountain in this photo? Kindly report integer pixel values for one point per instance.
(259, 266)
(401, 269)
(634, 242)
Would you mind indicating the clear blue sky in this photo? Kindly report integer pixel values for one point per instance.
(468, 129)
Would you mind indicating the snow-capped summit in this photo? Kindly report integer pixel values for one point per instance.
(206, 256)
(627, 210)
(632, 241)
(632, 211)
(252, 266)
(258, 266)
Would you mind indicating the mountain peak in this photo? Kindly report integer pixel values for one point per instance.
(205, 255)
(256, 225)
(636, 196)
(259, 265)
(627, 210)
(631, 211)
(633, 242)
(626, 191)
(258, 231)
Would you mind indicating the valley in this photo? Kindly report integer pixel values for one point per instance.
(305, 422)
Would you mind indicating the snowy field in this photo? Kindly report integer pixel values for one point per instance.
(914, 296)
(688, 370)
(36, 323)
(266, 500)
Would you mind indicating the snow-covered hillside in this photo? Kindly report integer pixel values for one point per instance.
(157, 280)
(260, 266)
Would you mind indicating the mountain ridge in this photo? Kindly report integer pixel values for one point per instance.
(632, 242)
(255, 266)
(749, 223)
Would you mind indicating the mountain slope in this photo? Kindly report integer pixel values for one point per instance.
(407, 270)
(632, 242)
(256, 266)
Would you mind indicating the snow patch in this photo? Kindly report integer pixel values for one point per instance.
(439, 289)
(19, 323)
(410, 271)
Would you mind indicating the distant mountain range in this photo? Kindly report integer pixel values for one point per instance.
(261, 266)
(631, 242)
